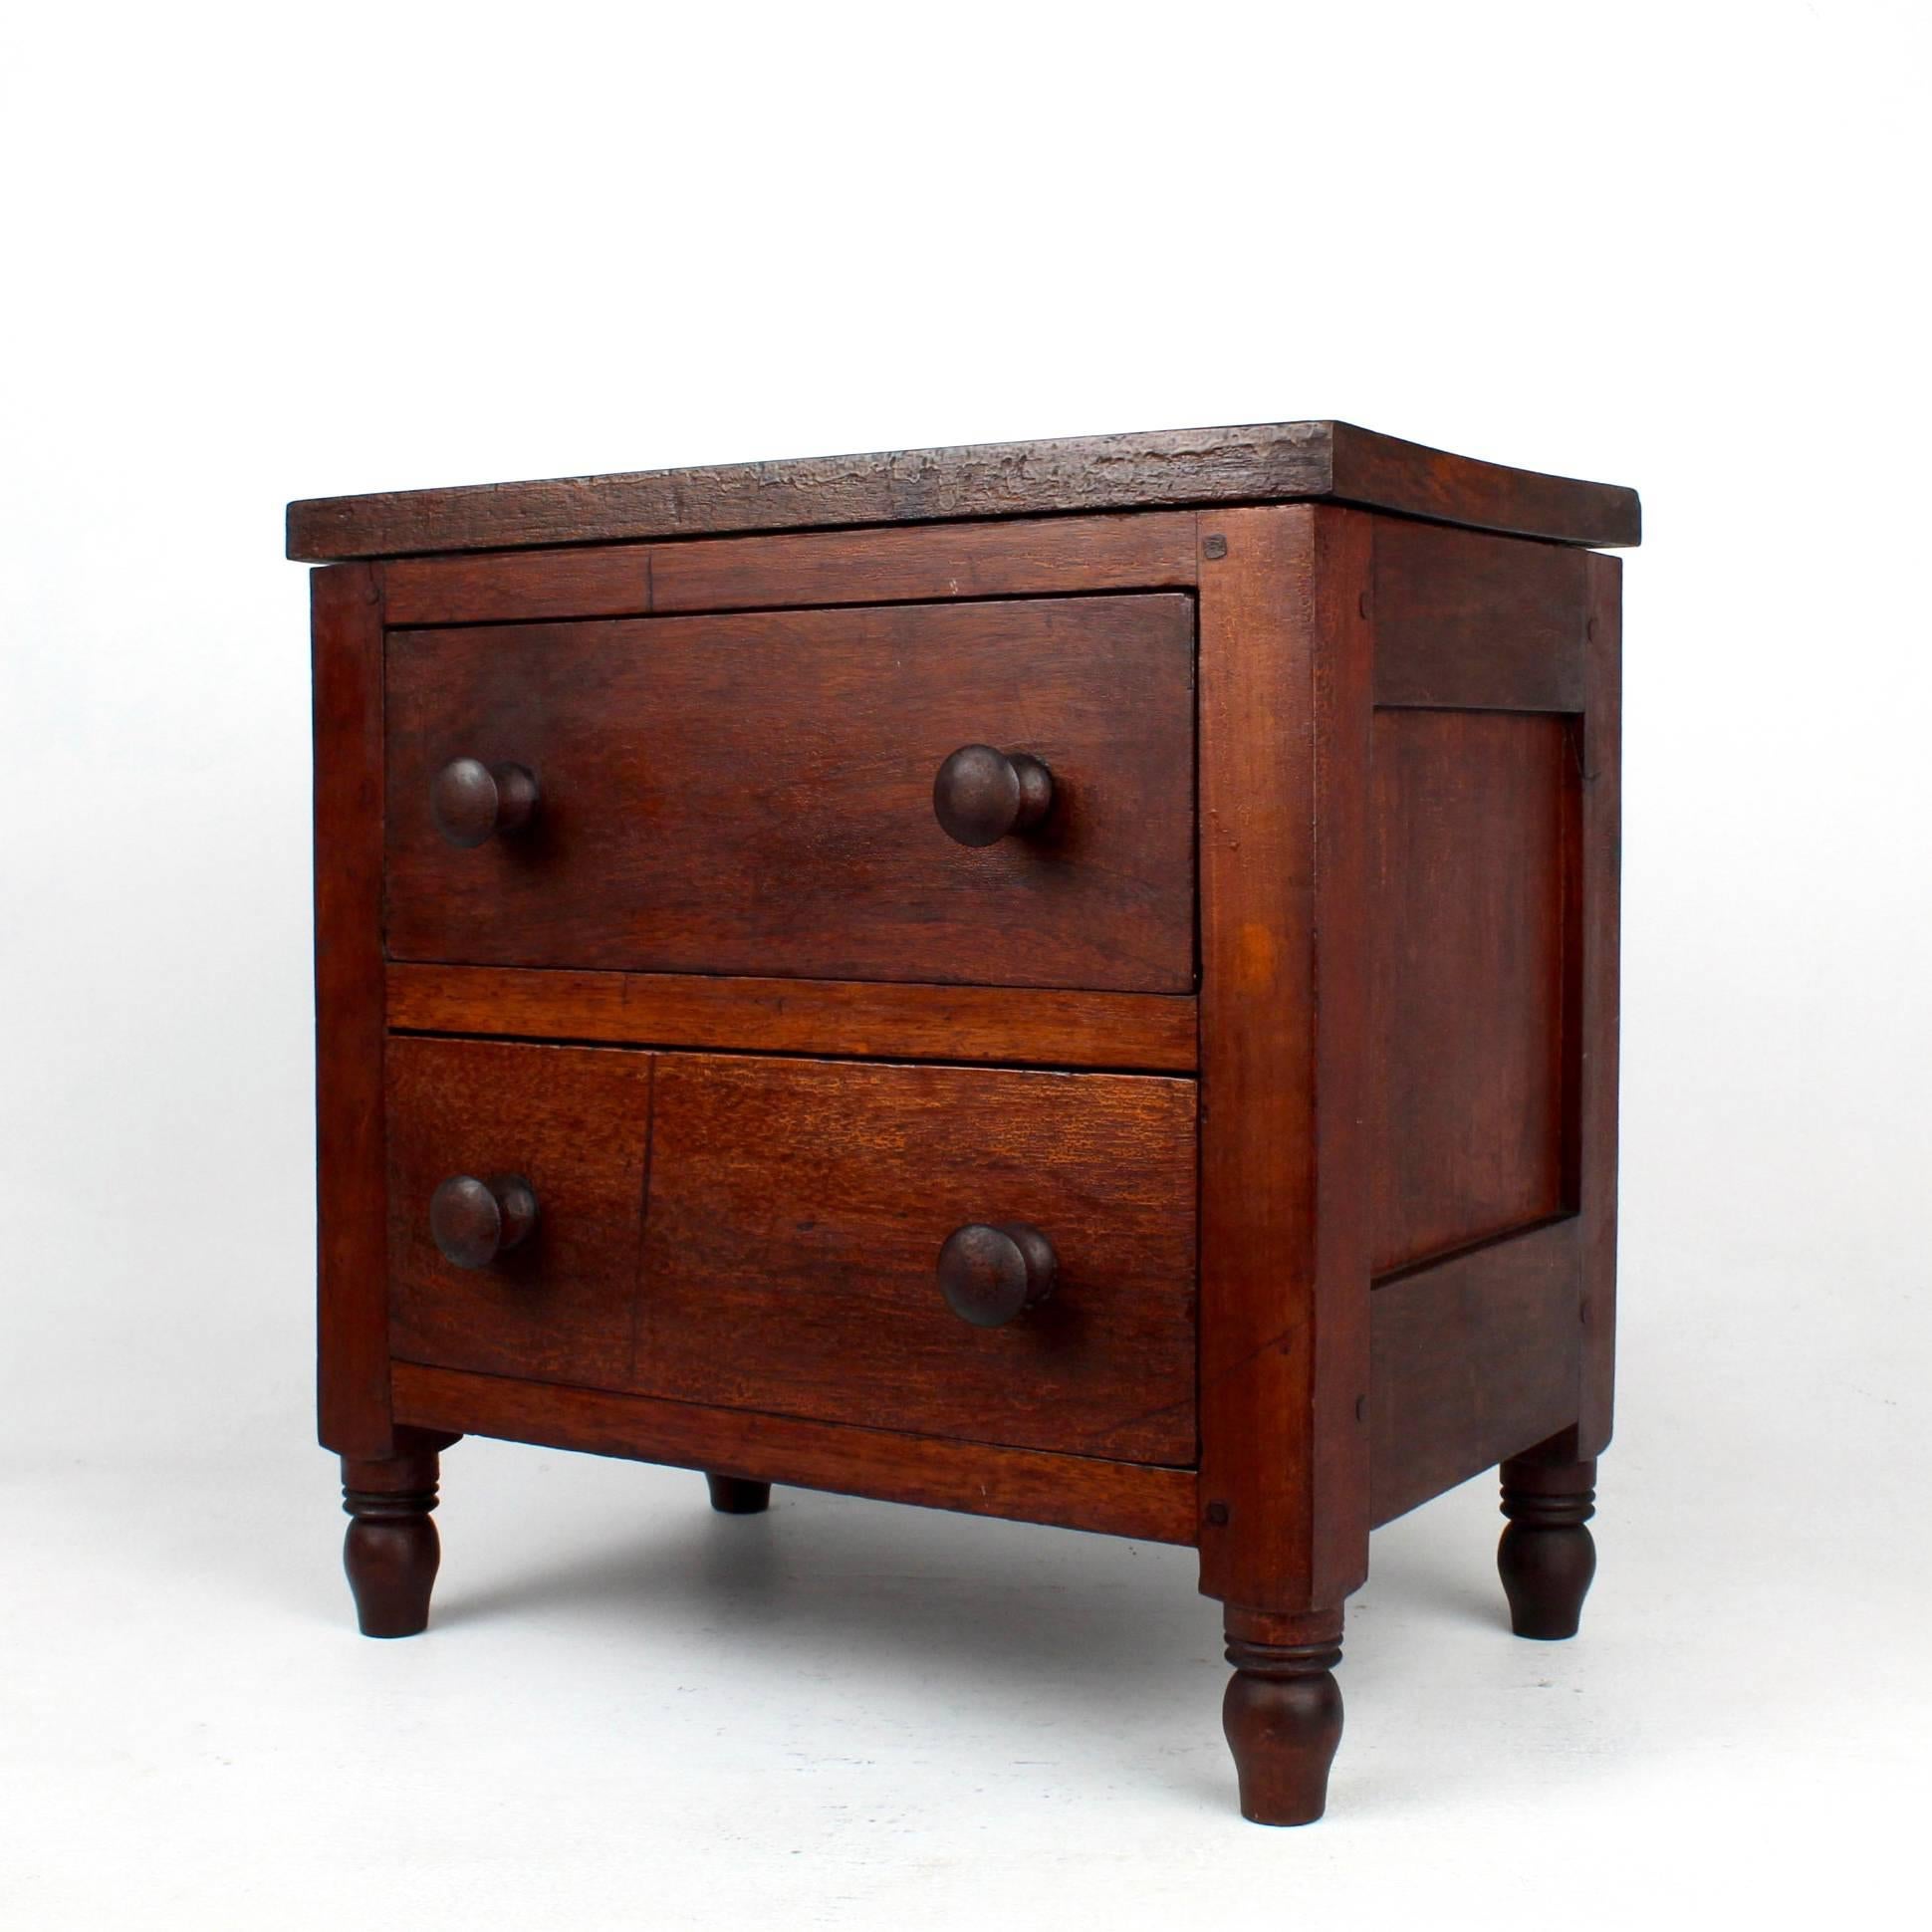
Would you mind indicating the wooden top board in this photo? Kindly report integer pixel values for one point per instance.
(1173, 468)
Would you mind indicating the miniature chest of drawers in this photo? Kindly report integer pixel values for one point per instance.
(1072, 981)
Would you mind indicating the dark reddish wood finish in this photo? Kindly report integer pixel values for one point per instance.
(991, 1276)
(1547, 1556)
(352, 1297)
(1052, 556)
(1250, 463)
(1285, 717)
(472, 802)
(1402, 1014)
(754, 793)
(390, 1550)
(1120, 1499)
(1477, 623)
(738, 1495)
(1594, 996)
(574, 1121)
(799, 1209)
(797, 1214)
(1470, 1358)
(1024, 1026)
(1475, 817)
(981, 795)
(1282, 1713)
(1285, 676)
(476, 1222)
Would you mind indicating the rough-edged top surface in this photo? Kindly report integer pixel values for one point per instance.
(1170, 468)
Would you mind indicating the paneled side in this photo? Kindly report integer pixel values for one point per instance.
(1475, 1360)
(1475, 824)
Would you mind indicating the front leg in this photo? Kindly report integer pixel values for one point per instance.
(392, 1549)
(1283, 1711)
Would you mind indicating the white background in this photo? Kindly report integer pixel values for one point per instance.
(268, 252)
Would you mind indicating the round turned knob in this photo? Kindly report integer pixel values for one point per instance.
(474, 1221)
(981, 795)
(473, 801)
(990, 1275)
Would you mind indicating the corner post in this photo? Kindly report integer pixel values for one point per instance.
(1601, 743)
(1286, 698)
(352, 1271)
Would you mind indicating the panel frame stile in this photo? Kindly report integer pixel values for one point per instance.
(352, 1370)
(1286, 701)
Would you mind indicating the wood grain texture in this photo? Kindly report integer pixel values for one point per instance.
(1474, 818)
(1019, 1025)
(765, 1233)
(931, 564)
(1176, 468)
(1473, 1360)
(753, 794)
(1284, 722)
(1386, 473)
(1597, 921)
(574, 1121)
(1485, 622)
(353, 1356)
(798, 1208)
(1076, 1492)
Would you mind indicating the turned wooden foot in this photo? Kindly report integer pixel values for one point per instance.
(1283, 1713)
(392, 1549)
(738, 1495)
(1547, 1556)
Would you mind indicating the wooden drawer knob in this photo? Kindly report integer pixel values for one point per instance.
(474, 1221)
(474, 801)
(981, 795)
(990, 1275)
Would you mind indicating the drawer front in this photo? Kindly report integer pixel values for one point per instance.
(765, 1234)
(575, 1122)
(754, 794)
(797, 1213)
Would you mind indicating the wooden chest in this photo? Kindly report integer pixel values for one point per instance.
(1072, 981)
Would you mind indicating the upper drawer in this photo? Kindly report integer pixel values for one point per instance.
(754, 793)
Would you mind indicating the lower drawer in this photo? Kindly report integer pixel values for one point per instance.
(766, 1234)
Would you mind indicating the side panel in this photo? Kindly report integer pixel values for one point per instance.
(1493, 1064)
(1475, 839)
(1475, 1361)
